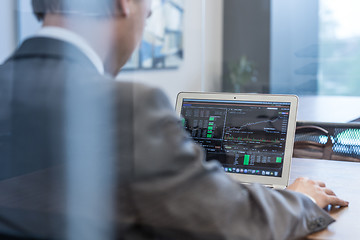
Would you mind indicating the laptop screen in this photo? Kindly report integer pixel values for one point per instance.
(246, 137)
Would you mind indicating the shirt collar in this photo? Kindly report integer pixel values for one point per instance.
(73, 38)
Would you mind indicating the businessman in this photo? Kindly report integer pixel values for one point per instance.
(66, 112)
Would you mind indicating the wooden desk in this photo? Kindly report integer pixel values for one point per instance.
(343, 178)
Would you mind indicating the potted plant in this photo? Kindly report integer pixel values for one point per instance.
(242, 74)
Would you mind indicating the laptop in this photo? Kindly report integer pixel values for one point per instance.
(251, 135)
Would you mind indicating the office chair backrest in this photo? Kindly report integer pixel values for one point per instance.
(332, 141)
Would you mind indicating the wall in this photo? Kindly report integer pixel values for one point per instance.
(213, 50)
(201, 69)
(7, 29)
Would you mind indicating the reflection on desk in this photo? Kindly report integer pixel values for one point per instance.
(343, 178)
(328, 108)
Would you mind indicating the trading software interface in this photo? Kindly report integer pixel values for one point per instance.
(246, 137)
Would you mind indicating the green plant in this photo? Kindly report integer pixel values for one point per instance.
(242, 72)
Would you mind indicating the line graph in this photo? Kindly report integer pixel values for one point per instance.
(257, 123)
(267, 130)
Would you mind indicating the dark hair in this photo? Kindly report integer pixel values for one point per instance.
(83, 7)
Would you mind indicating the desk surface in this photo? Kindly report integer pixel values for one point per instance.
(343, 178)
(328, 108)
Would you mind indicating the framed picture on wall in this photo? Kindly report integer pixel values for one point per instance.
(162, 44)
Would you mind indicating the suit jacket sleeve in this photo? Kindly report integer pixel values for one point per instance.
(177, 194)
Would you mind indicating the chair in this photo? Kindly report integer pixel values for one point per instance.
(331, 141)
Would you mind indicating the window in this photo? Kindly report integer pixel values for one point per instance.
(339, 48)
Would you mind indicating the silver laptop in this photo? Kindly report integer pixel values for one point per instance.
(251, 135)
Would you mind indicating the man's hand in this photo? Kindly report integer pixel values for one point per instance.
(317, 190)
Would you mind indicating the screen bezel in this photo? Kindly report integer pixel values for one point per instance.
(289, 145)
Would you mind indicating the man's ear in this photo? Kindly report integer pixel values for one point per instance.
(123, 7)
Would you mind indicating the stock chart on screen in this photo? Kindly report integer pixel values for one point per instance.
(246, 137)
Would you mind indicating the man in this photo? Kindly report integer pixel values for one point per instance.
(126, 167)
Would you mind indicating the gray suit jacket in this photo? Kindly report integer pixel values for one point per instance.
(68, 123)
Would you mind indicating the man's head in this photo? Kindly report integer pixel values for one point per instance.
(113, 27)
(71, 7)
